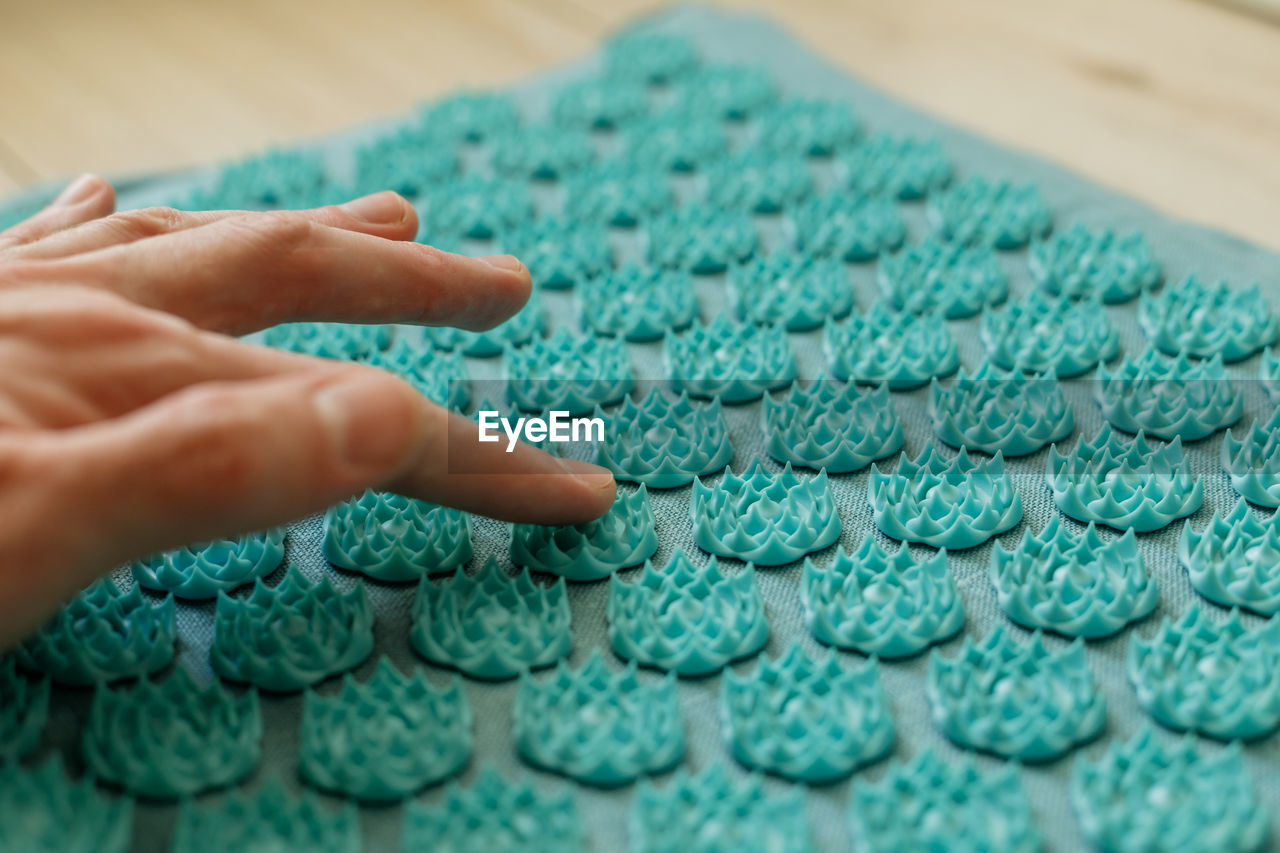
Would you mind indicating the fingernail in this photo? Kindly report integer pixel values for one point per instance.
(368, 419)
(510, 263)
(81, 189)
(592, 475)
(384, 208)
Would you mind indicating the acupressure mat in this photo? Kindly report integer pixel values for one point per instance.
(726, 37)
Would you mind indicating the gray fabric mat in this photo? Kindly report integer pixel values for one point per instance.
(732, 37)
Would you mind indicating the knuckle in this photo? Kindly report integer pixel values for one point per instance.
(281, 230)
(275, 245)
(270, 239)
(146, 222)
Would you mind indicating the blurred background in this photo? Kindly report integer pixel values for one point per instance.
(1176, 102)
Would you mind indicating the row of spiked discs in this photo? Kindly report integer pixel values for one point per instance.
(692, 220)
(694, 621)
(886, 344)
(843, 426)
(925, 802)
(651, 622)
(391, 735)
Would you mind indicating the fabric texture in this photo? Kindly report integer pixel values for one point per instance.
(739, 38)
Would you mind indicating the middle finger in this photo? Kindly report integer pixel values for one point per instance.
(384, 214)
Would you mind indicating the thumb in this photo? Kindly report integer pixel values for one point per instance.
(219, 458)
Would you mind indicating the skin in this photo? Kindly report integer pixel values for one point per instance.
(131, 419)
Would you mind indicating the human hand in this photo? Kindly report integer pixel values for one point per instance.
(131, 422)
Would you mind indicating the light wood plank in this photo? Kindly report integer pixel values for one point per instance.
(1174, 101)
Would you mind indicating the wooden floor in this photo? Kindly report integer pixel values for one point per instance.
(1174, 101)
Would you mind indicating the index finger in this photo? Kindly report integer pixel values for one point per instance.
(242, 274)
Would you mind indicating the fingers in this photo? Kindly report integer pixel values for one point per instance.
(239, 456)
(236, 272)
(222, 458)
(526, 486)
(86, 198)
(77, 355)
(245, 273)
(384, 214)
(95, 357)
(213, 460)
